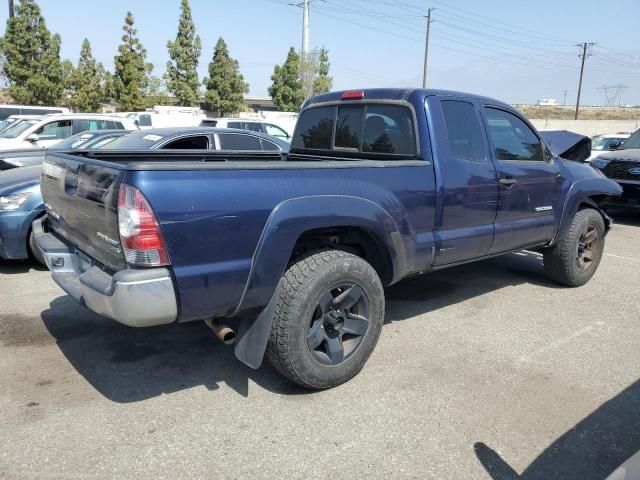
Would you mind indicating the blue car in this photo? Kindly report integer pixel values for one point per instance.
(20, 204)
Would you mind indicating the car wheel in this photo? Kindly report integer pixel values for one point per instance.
(575, 258)
(328, 319)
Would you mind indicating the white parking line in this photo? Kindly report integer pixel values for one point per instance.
(623, 258)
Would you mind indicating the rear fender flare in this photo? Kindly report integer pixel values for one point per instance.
(287, 222)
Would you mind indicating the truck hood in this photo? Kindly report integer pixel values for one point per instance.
(624, 155)
(18, 178)
(568, 145)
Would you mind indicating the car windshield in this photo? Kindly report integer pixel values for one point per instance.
(632, 142)
(604, 142)
(17, 128)
(133, 142)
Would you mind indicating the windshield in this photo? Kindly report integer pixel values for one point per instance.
(17, 128)
(632, 142)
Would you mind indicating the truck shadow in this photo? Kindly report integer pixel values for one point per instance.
(127, 365)
(591, 450)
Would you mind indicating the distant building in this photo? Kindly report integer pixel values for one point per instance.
(548, 102)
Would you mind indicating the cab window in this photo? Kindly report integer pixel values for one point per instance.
(512, 139)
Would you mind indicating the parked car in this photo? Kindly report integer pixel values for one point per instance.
(607, 143)
(53, 128)
(7, 110)
(20, 203)
(90, 139)
(623, 166)
(247, 124)
(200, 138)
(13, 119)
(20, 197)
(379, 185)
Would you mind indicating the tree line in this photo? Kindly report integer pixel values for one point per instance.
(36, 74)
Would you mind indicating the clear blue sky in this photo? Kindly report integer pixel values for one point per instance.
(516, 51)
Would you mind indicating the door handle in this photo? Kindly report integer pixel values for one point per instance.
(508, 182)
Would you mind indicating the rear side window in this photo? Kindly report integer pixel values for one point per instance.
(361, 129)
(267, 145)
(200, 142)
(239, 125)
(463, 130)
(233, 141)
(90, 125)
(315, 129)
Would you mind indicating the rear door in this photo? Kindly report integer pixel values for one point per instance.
(81, 198)
(529, 182)
(466, 174)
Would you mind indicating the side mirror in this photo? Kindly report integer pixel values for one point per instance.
(33, 138)
(137, 122)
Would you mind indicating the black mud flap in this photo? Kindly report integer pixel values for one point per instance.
(253, 334)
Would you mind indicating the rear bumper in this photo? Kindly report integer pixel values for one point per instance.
(134, 297)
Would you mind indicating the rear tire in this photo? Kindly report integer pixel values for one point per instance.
(328, 319)
(575, 258)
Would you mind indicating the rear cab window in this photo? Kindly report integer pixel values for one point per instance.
(464, 133)
(362, 130)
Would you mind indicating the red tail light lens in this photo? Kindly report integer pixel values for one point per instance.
(140, 233)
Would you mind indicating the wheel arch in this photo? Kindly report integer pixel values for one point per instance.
(587, 193)
(298, 223)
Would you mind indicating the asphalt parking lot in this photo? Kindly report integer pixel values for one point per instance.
(486, 371)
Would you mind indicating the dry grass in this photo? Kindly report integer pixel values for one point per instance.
(586, 113)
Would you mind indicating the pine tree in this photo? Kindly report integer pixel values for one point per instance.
(87, 82)
(323, 82)
(182, 74)
(286, 90)
(225, 84)
(131, 69)
(32, 57)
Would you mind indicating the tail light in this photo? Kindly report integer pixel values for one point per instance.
(140, 233)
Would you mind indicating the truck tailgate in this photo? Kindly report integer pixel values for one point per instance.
(81, 198)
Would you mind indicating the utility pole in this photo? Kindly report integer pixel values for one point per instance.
(426, 48)
(11, 11)
(305, 29)
(564, 100)
(583, 56)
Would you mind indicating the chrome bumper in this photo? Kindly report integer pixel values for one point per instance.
(134, 297)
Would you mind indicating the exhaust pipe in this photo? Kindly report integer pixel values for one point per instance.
(225, 333)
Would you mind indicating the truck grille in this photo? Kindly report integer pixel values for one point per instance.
(619, 170)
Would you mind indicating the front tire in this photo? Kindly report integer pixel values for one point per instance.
(328, 319)
(575, 258)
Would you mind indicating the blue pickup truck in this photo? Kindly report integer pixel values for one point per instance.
(292, 253)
